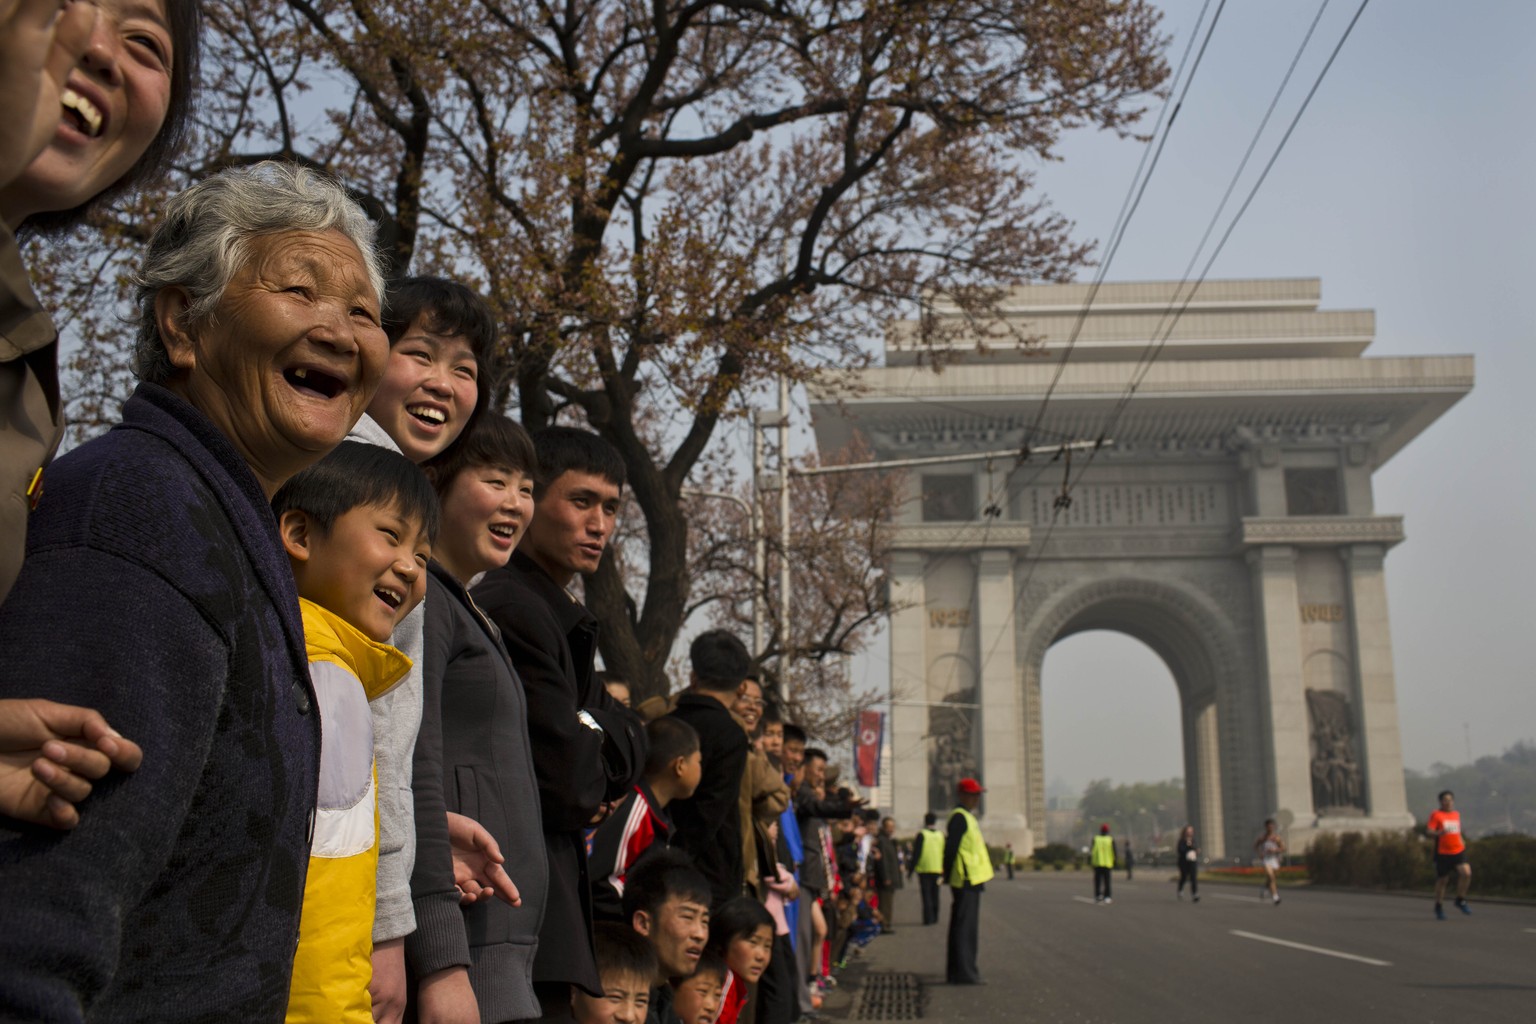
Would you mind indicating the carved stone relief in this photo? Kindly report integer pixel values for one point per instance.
(1336, 780)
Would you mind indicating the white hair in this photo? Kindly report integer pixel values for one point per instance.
(204, 240)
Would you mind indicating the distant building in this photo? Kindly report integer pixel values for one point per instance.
(1231, 527)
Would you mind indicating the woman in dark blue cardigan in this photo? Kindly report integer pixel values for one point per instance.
(156, 591)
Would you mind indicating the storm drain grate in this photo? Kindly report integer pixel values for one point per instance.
(890, 995)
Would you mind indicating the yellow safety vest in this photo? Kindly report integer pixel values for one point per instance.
(1103, 851)
(931, 860)
(973, 864)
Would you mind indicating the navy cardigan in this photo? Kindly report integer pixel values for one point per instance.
(156, 589)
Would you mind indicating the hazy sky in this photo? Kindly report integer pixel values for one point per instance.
(1407, 189)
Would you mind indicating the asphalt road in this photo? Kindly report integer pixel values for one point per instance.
(1050, 954)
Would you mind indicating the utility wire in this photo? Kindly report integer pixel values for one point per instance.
(1129, 205)
(1037, 553)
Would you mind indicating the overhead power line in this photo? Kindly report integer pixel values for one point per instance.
(1132, 201)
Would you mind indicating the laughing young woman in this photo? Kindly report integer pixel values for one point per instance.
(109, 83)
(472, 756)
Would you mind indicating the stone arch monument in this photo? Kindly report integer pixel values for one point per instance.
(1230, 527)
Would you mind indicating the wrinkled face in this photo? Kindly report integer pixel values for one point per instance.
(110, 110)
(485, 510)
(576, 516)
(369, 567)
(428, 391)
(291, 355)
(748, 955)
(749, 702)
(697, 1000)
(677, 932)
(625, 1000)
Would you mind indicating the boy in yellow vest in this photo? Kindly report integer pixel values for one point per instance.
(358, 527)
(967, 867)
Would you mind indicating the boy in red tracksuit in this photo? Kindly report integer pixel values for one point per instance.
(640, 821)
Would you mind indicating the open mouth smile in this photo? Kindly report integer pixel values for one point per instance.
(430, 415)
(390, 597)
(315, 381)
(85, 116)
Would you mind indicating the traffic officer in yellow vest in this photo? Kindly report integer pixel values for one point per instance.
(967, 866)
(1103, 859)
(928, 865)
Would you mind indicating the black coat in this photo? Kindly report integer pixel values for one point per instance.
(473, 758)
(709, 822)
(157, 591)
(579, 764)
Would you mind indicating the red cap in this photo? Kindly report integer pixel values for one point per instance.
(1104, 828)
(971, 786)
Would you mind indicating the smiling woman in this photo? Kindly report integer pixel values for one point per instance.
(96, 96)
(258, 347)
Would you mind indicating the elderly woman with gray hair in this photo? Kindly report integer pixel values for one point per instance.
(156, 590)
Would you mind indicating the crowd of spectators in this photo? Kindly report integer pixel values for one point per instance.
(299, 715)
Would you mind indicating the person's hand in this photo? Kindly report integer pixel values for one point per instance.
(603, 810)
(477, 863)
(387, 987)
(49, 752)
(41, 41)
(446, 998)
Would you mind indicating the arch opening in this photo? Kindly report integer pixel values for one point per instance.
(1111, 710)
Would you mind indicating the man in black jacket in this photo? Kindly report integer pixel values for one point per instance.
(587, 749)
(709, 822)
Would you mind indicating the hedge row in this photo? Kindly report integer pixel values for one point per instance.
(1501, 865)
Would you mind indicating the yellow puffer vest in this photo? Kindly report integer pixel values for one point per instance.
(334, 964)
(973, 864)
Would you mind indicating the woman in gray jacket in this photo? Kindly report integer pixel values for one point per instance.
(472, 755)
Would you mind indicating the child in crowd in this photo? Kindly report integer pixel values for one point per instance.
(627, 966)
(697, 998)
(741, 934)
(358, 527)
(473, 762)
(640, 822)
(666, 900)
(858, 922)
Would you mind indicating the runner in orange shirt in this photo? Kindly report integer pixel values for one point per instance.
(1450, 854)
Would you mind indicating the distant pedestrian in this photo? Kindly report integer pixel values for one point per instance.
(1103, 859)
(1450, 854)
(1270, 847)
(967, 867)
(928, 865)
(1189, 863)
(1008, 860)
(887, 874)
(1130, 862)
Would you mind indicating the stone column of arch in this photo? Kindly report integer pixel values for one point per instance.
(1381, 748)
(1282, 703)
(1001, 719)
(909, 691)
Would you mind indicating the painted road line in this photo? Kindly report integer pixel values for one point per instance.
(1239, 899)
(1312, 949)
(1085, 899)
(1531, 930)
